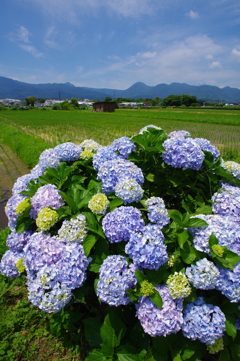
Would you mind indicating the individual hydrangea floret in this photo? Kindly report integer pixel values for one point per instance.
(91, 145)
(121, 222)
(99, 203)
(229, 282)
(179, 134)
(46, 218)
(207, 146)
(129, 191)
(203, 275)
(123, 146)
(22, 183)
(160, 321)
(8, 263)
(233, 168)
(203, 322)
(157, 212)
(103, 155)
(17, 241)
(114, 171)
(226, 202)
(86, 155)
(10, 210)
(115, 277)
(147, 249)
(145, 129)
(224, 228)
(73, 230)
(178, 285)
(183, 153)
(49, 159)
(68, 152)
(46, 196)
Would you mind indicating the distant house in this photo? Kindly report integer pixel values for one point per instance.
(104, 107)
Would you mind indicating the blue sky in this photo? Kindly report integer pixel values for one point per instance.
(113, 43)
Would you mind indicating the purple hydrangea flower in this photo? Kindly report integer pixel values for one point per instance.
(179, 134)
(157, 212)
(229, 282)
(123, 146)
(114, 171)
(68, 152)
(49, 159)
(103, 155)
(8, 263)
(10, 209)
(183, 153)
(17, 241)
(121, 222)
(129, 191)
(207, 146)
(115, 277)
(227, 201)
(22, 183)
(224, 228)
(46, 196)
(160, 321)
(203, 322)
(37, 171)
(147, 249)
(203, 275)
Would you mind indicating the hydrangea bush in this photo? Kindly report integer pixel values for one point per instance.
(134, 246)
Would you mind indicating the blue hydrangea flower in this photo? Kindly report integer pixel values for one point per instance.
(8, 263)
(229, 282)
(68, 152)
(46, 196)
(157, 212)
(224, 228)
(145, 129)
(22, 183)
(147, 249)
(121, 222)
(123, 146)
(160, 321)
(203, 275)
(129, 191)
(179, 134)
(17, 241)
(37, 171)
(237, 325)
(10, 210)
(207, 146)
(114, 171)
(74, 230)
(183, 153)
(226, 202)
(49, 159)
(233, 168)
(203, 322)
(115, 277)
(103, 155)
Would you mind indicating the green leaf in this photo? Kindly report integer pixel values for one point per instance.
(92, 331)
(196, 222)
(130, 353)
(231, 257)
(160, 344)
(96, 355)
(224, 355)
(188, 253)
(140, 276)
(113, 329)
(176, 216)
(230, 326)
(150, 177)
(115, 203)
(156, 299)
(187, 354)
(183, 236)
(154, 355)
(89, 243)
(212, 240)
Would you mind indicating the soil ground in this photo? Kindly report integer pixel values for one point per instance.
(11, 167)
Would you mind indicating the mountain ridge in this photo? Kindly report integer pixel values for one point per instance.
(16, 89)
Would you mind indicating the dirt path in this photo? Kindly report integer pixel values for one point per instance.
(11, 167)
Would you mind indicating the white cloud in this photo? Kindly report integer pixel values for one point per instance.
(50, 37)
(215, 64)
(192, 14)
(236, 52)
(20, 35)
(32, 50)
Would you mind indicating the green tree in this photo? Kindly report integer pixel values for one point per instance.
(108, 99)
(74, 103)
(30, 100)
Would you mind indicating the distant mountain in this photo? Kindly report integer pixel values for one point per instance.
(10, 88)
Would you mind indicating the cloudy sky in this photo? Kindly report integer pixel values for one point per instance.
(113, 43)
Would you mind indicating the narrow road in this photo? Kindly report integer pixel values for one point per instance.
(11, 167)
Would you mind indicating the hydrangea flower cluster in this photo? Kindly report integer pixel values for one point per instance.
(207, 146)
(121, 222)
(115, 277)
(68, 152)
(178, 285)
(157, 212)
(183, 153)
(179, 134)
(228, 283)
(99, 203)
(226, 202)
(103, 155)
(22, 183)
(123, 146)
(49, 159)
(233, 168)
(204, 322)
(147, 248)
(203, 275)
(11, 208)
(160, 321)
(73, 230)
(90, 145)
(46, 218)
(8, 263)
(46, 196)
(17, 241)
(129, 191)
